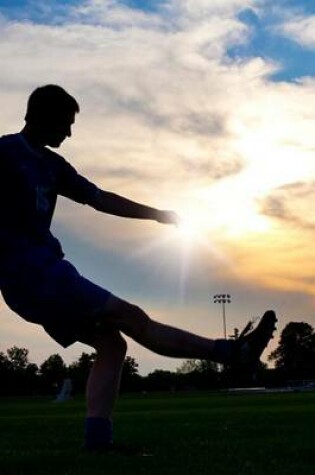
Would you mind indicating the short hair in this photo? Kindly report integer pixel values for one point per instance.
(49, 103)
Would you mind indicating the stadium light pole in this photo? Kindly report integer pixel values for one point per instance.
(223, 299)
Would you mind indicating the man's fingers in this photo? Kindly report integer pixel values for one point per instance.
(168, 217)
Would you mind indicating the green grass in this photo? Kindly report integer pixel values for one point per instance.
(191, 434)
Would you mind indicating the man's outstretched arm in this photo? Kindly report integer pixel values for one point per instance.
(117, 205)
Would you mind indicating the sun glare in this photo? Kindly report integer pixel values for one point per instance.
(192, 227)
(221, 212)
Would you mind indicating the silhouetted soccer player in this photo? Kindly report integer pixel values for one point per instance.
(42, 287)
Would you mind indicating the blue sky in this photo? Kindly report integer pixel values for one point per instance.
(145, 4)
(296, 60)
(33, 9)
(202, 107)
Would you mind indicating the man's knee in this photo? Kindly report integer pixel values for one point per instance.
(111, 343)
(127, 317)
(134, 320)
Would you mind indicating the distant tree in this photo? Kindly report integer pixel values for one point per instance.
(52, 372)
(201, 374)
(78, 371)
(161, 380)
(295, 354)
(200, 366)
(21, 375)
(208, 367)
(5, 369)
(4, 361)
(188, 366)
(130, 366)
(130, 378)
(18, 358)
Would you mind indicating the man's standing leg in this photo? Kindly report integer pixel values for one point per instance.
(103, 387)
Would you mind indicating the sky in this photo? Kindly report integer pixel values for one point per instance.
(207, 108)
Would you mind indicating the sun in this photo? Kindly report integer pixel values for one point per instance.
(221, 213)
(192, 227)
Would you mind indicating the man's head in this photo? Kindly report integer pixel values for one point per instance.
(50, 114)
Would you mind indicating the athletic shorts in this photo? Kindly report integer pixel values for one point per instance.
(57, 297)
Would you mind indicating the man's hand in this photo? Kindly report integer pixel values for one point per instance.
(167, 217)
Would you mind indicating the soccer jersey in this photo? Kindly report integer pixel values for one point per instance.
(30, 181)
(35, 281)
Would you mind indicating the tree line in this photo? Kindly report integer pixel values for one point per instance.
(293, 359)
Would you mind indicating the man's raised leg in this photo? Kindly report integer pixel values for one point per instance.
(174, 342)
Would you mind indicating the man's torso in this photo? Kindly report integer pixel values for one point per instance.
(30, 181)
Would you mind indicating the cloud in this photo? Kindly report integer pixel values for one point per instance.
(160, 100)
(291, 205)
(301, 30)
(114, 14)
(152, 96)
(178, 12)
(281, 258)
(198, 10)
(162, 105)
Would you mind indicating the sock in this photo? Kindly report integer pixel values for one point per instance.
(98, 432)
(223, 351)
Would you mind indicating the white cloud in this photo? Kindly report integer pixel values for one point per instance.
(176, 11)
(114, 14)
(198, 10)
(162, 104)
(301, 30)
(161, 92)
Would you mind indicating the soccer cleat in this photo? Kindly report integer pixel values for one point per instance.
(250, 345)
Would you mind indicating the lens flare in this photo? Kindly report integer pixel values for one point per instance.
(192, 227)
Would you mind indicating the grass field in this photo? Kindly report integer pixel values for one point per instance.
(193, 434)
